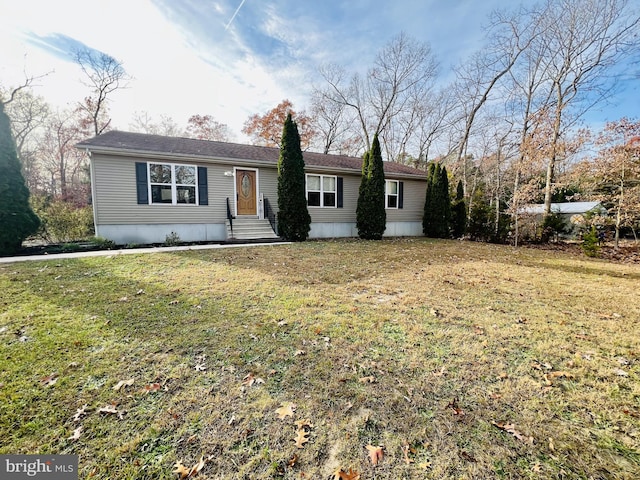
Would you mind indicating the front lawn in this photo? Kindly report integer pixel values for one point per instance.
(459, 359)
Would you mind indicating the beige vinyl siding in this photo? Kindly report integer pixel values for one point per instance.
(351, 185)
(269, 186)
(116, 203)
(412, 211)
(115, 198)
(413, 202)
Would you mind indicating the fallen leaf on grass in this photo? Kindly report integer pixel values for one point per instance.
(541, 366)
(200, 367)
(375, 453)
(251, 379)
(181, 470)
(302, 437)
(510, 428)
(286, 410)
(293, 461)
(152, 387)
(548, 377)
(406, 450)
(112, 410)
(184, 472)
(123, 383)
(456, 409)
(302, 433)
(49, 380)
(304, 424)
(342, 475)
(620, 373)
(369, 379)
(424, 465)
(298, 353)
(81, 412)
(76, 434)
(197, 467)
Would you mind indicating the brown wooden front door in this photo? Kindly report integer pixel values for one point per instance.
(246, 192)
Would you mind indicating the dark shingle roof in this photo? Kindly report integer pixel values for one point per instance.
(141, 143)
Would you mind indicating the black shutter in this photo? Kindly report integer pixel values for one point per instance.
(400, 194)
(141, 183)
(339, 192)
(203, 189)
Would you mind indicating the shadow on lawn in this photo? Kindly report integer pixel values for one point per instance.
(104, 293)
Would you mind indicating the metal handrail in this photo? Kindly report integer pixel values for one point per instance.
(229, 216)
(270, 215)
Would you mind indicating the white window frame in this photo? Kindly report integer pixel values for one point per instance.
(174, 185)
(387, 194)
(322, 191)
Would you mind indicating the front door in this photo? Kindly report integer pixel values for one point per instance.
(246, 192)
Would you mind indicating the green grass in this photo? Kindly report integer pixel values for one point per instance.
(455, 335)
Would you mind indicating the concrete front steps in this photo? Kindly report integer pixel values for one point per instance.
(248, 229)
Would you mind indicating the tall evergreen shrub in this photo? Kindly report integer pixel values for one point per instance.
(362, 212)
(427, 217)
(371, 214)
(442, 204)
(17, 220)
(294, 221)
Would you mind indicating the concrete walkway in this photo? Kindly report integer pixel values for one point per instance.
(131, 251)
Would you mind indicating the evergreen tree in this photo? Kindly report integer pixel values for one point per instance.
(442, 204)
(459, 213)
(376, 186)
(430, 202)
(17, 220)
(362, 212)
(372, 218)
(437, 205)
(294, 221)
(427, 216)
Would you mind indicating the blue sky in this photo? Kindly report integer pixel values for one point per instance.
(231, 58)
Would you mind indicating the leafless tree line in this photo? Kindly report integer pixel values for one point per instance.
(512, 113)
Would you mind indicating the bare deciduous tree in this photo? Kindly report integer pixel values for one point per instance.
(103, 75)
(584, 39)
(65, 164)
(402, 71)
(509, 35)
(332, 122)
(143, 123)
(28, 114)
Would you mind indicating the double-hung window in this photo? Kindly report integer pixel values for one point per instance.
(391, 193)
(321, 190)
(173, 184)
